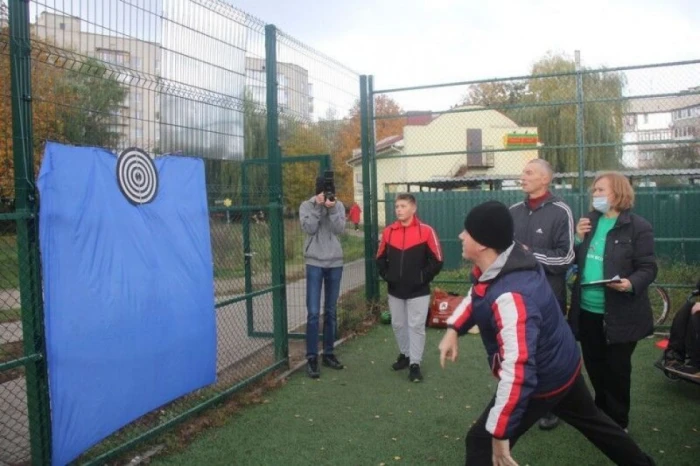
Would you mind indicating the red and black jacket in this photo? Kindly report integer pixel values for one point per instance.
(409, 257)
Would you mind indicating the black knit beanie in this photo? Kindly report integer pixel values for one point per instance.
(491, 225)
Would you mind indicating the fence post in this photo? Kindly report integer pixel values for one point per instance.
(27, 235)
(373, 184)
(274, 156)
(579, 133)
(247, 252)
(366, 189)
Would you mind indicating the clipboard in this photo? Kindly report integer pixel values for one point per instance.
(615, 279)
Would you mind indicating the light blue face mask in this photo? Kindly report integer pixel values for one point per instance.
(601, 204)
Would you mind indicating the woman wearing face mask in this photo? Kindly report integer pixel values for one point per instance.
(612, 243)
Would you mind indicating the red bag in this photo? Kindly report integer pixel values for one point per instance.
(442, 305)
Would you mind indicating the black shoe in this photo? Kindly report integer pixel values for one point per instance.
(549, 422)
(332, 362)
(673, 364)
(401, 362)
(686, 370)
(312, 368)
(673, 359)
(414, 374)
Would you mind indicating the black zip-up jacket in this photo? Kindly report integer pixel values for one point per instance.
(629, 253)
(409, 257)
(547, 232)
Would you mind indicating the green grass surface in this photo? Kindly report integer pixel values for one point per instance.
(368, 415)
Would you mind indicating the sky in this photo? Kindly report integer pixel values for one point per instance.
(418, 42)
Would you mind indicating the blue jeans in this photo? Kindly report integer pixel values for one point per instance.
(329, 278)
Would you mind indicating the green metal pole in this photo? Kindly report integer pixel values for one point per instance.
(373, 184)
(366, 189)
(274, 156)
(247, 253)
(27, 235)
(580, 135)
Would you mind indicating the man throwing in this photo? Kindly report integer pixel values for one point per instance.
(530, 348)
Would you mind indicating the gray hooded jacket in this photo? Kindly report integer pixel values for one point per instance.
(322, 225)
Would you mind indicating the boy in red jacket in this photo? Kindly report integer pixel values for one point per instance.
(409, 257)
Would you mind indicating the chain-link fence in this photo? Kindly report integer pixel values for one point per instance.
(193, 78)
(643, 121)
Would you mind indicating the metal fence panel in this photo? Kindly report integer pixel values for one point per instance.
(190, 77)
(643, 121)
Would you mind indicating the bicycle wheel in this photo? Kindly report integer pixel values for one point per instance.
(660, 304)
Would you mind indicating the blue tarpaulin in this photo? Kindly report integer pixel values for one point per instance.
(128, 290)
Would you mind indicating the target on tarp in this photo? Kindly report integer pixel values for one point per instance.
(137, 176)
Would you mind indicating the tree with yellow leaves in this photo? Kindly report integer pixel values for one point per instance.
(349, 138)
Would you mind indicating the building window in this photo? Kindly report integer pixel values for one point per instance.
(114, 57)
(683, 132)
(62, 26)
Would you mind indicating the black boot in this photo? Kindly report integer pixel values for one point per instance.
(312, 368)
(332, 362)
(549, 422)
(401, 362)
(414, 374)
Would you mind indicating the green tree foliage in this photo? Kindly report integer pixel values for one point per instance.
(549, 103)
(95, 101)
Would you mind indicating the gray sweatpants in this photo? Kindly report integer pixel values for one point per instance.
(408, 320)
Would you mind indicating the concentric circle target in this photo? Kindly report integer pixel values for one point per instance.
(137, 176)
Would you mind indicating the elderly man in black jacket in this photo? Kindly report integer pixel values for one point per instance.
(544, 225)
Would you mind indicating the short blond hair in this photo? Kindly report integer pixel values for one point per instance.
(623, 193)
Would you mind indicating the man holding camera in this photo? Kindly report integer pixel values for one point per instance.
(322, 219)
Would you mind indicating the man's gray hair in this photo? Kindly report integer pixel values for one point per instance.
(545, 166)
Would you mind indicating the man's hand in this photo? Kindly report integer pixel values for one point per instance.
(695, 308)
(329, 204)
(448, 346)
(320, 198)
(501, 453)
(623, 286)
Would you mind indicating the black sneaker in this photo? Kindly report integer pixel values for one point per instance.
(414, 374)
(686, 370)
(401, 363)
(673, 364)
(332, 362)
(672, 359)
(549, 422)
(312, 368)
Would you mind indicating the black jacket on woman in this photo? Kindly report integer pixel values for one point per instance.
(629, 253)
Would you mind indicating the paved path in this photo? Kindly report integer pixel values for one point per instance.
(233, 345)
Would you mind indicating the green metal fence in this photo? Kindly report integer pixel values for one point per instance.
(195, 77)
(269, 114)
(641, 120)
